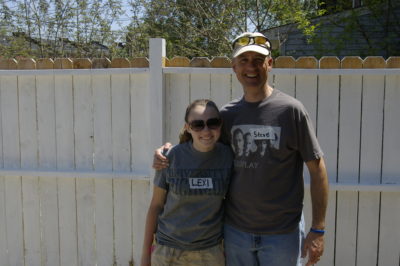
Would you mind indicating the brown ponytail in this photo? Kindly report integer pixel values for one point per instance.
(184, 136)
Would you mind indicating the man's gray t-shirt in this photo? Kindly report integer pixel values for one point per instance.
(271, 141)
(196, 184)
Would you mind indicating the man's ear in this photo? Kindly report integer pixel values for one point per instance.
(234, 68)
(270, 61)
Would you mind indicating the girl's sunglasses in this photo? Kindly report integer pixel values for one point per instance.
(199, 125)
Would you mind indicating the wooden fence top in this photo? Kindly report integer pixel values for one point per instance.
(326, 62)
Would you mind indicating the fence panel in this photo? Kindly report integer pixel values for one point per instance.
(200, 86)
(47, 160)
(103, 162)
(85, 189)
(328, 110)
(12, 184)
(221, 89)
(140, 203)
(64, 109)
(370, 168)
(389, 239)
(29, 159)
(141, 156)
(122, 162)
(285, 82)
(3, 228)
(177, 98)
(348, 166)
(140, 125)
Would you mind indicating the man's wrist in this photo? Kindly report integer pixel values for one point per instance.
(317, 231)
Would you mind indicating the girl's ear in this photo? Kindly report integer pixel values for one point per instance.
(187, 127)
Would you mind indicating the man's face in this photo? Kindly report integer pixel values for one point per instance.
(264, 144)
(249, 143)
(239, 142)
(251, 69)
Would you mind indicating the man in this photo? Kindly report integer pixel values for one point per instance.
(264, 224)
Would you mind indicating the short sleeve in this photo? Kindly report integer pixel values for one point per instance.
(160, 179)
(307, 141)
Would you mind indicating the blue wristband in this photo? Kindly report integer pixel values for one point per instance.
(317, 231)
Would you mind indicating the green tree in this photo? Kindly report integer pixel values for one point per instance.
(58, 28)
(191, 28)
(205, 28)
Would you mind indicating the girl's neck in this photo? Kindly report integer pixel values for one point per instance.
(201, 148)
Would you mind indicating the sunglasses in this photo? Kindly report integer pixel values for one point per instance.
(199, 125)
(258, 40)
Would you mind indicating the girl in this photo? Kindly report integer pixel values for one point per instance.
(186, 210)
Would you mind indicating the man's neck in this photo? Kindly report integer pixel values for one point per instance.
(257, 95)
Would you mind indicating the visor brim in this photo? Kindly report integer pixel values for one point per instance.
(251, 48)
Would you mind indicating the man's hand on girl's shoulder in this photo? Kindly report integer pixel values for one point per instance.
(159, 160)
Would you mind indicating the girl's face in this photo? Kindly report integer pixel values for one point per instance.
(203, 140)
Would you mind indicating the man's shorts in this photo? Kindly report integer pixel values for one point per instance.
(164, 255)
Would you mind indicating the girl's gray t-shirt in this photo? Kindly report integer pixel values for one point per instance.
(196, 184)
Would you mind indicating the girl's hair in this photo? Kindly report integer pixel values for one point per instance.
(184, 135)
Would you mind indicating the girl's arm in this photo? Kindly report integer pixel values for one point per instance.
(156, 205)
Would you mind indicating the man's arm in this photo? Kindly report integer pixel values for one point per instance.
(314, 242)
(319, 192)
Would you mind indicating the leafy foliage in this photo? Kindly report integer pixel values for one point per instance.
(82, 28)
(205, 28)
(57, 28)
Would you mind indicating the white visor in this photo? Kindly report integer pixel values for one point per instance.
(251, 48)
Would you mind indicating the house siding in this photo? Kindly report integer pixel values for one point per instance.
(335, 37)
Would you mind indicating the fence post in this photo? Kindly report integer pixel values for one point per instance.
(157, 56)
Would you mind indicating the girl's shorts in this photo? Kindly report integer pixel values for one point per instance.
(164, 255)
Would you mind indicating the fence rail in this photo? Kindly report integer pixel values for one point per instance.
(76, 148)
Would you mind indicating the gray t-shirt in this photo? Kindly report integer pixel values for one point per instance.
(271, 140)
(196, 184)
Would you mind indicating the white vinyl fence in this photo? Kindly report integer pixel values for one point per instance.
(76, 151)
(75, 157)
